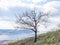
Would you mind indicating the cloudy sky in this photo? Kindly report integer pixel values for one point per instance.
(9, 8)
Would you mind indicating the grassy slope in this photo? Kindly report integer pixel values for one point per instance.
(50, 38)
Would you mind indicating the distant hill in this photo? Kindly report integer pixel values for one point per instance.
(50, 38)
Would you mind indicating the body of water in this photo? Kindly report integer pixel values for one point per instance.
(9, 34)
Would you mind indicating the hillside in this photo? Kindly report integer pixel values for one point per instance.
(50, 38)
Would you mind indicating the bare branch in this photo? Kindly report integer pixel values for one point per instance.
(31, 19)
(25, 28)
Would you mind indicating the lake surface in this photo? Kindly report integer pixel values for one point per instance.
(9, 34)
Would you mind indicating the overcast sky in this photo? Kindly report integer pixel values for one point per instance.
(8, 9)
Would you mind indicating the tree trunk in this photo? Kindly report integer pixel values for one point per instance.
(35, 36)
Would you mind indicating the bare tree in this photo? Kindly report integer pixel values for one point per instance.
(30, 20)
